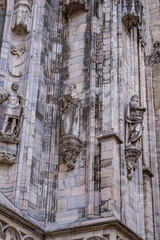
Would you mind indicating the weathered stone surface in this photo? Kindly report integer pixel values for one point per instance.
(78, 63)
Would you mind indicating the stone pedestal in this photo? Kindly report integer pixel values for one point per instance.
(8, 148)
(70, 150)
(132, 153)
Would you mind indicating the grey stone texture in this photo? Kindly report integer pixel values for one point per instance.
(74, 184)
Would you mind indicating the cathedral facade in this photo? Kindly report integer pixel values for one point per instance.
(80, 119)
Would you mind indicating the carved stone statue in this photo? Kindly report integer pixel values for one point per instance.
(70, 112)
(134, 126)
(18, 63)
(71, 144)
(14, 111)
(22, 19)
(134, 120)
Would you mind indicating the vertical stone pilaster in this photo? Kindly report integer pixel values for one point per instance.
(109, 139)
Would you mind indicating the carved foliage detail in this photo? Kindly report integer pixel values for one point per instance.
(134, 121)
(70, 153)
(6, 158)
(22, 20)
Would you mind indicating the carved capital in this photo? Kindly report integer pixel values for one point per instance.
(71, 6)
(131, 13)
(7, 158)
(132, 153)
(70, 150)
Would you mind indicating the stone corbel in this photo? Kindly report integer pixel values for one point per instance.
(70, 150)
(131, 13)
(71, 6)
(6, 158)
(132, 154)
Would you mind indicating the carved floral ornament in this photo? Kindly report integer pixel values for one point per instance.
(22, 17)
(8, 232)
(71, 6)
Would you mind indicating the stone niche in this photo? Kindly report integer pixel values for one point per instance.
(22, 17)
(131, 13)
(71, 6)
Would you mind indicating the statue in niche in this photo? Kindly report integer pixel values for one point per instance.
(70, 112)
(134, 129)
(71, 144)
(134, 121)
(13, 113)
(18, 62)
(22, 19)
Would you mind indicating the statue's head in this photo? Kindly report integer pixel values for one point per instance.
(71, 87)
(135, 98)
(15, 86)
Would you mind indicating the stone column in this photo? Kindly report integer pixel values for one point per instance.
(109, 139)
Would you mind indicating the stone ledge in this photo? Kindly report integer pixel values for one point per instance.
(59, 229)
(110, 136)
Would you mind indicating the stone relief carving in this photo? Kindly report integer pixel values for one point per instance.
(22, 19)
(131, 13)
(18, 62)
(134, 126)
(13, 114)
(8, 232)
(71, 6)
(71, 144)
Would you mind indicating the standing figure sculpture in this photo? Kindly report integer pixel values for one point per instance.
(14, 111)
(134, 121)
(70, 112)
(134, 127)
(71, 144)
